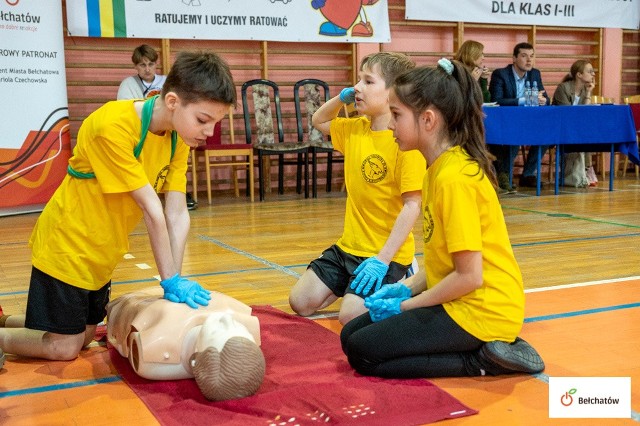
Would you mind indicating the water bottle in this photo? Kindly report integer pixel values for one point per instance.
(534, 94)
(527, 93)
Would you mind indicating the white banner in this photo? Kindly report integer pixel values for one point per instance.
(567, 13)
(276, 20)
(34, 147)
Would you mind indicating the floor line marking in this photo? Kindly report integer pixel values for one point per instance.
(575, 240)
(61, 386)
(584, 284)
(275, 266)
(582, 312)
(587, 219)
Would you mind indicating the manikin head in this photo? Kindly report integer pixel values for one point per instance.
(227, 363)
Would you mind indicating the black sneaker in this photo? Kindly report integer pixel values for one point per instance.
(517, 357)
(191, 203)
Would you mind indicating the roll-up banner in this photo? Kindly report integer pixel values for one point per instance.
(34, 137)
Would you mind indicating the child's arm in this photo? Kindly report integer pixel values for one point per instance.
(402, 226)
(370, 273)
(167, 236)
(178, 223)
(154, 218)
(465, 278)
(321, 119)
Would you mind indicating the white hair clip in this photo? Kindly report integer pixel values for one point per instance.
(446, 65)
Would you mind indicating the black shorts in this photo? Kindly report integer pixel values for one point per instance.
(60, 308)
(335, 268)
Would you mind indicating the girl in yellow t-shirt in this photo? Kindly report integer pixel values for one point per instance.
(114, 180)
(460, 315)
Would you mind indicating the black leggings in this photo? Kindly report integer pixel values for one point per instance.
(423, 342)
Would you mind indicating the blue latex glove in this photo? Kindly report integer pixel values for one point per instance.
(384, 308)
(348, 95)
(181, 290)
(317, 4)
(390, 291)
(369, 274)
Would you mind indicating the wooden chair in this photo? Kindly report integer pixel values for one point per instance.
(316, 92)
(219, 154)
(260, 98)
(628, 100)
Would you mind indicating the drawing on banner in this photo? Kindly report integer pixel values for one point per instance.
(341, 16)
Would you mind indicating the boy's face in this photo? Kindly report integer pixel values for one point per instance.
(196, 121)
(372, 95)
(146, 70)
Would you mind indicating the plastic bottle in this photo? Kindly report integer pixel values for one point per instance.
(527, 93)
(534, 94)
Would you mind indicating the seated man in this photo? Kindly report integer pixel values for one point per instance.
(507, 89)
(217, 344)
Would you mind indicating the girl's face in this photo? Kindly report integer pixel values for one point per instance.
(406, 130)
(371, 92)
(196, 121)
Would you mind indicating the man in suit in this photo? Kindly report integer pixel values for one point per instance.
(507, 89)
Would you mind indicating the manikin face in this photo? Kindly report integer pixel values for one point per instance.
(406, 130)
(146, 70)
(217, 329)
(196, 121)
(371, 92)
(524, 61)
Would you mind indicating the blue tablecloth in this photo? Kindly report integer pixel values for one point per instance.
(590, 128)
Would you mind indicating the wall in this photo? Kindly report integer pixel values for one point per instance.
(95, 67)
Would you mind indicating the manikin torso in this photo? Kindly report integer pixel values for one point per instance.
(159, 337)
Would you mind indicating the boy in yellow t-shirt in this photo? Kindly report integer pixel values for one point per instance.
(383, 197)
(127, 153)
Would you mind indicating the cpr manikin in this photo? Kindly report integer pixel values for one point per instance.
(218, 345)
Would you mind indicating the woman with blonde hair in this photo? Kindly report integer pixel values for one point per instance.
(471, 54)
(575, 89)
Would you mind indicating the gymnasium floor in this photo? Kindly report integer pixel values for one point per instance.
(578, 253)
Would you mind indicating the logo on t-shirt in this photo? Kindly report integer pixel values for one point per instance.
(374, 168)
(427, 225)
(152, 93)
(160, 179)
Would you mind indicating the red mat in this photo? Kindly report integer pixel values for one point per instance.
(308, 381)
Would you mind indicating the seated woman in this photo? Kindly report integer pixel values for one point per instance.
(575, 89)
(217, 344)
(471, 54)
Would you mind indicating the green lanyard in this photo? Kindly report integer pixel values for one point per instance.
(147, 111)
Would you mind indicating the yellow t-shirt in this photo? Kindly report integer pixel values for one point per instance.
(462, 212)
(376, 175)
(83, 230)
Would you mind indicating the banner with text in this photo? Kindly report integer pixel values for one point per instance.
(567, 13)
(35, 143)
(275, 20)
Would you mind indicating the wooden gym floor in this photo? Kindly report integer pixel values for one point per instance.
(579, 255)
